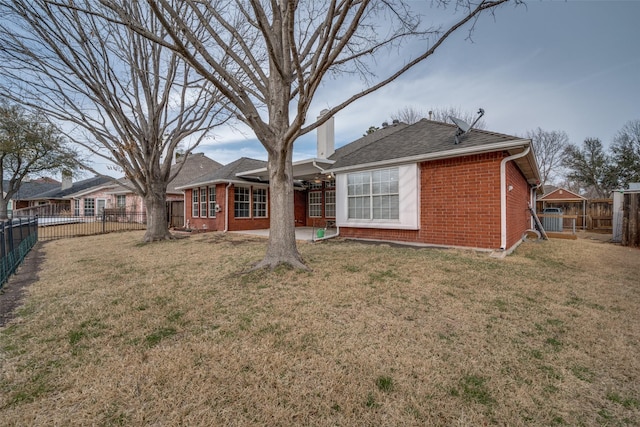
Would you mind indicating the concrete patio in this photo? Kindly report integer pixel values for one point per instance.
(306, 234)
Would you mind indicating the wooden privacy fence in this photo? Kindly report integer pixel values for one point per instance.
(631, 220)
(593, 214)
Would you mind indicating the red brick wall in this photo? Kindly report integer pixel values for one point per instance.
(300, 207)
(460, 204)
(518, 215)
(237, 224)
(212, 224)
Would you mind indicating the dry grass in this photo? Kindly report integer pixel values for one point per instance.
(119, 333)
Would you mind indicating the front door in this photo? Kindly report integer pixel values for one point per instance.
(101, 204)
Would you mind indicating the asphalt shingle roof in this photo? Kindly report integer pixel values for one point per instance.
(401, 141)
(30, 188)
(58, 193)
(228, 172)
(195, 166)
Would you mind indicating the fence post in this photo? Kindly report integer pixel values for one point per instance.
(3, 249)
(104, 221)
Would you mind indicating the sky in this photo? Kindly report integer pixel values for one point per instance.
(569, 65)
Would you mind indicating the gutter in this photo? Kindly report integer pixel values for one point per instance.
(226, 207)
(478, 149)
(503, 195)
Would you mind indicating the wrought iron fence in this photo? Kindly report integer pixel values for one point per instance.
(52, 227)
(17, 237)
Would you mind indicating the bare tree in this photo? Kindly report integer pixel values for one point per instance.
(280, 54)
(549, 147)
(444, 114)
(412, 115)
(409, 115)
(28, 145)
(123, 98)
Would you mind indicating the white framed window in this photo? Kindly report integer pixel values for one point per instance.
(260, 202)
(315, 186)
(195, 208)
(373, 195)
(76, 207)
(203, 202)
(121, 200)
(315, 204)
(330, 203)
(89, 207)
(242, 202)
(212, 202)
(330, 184)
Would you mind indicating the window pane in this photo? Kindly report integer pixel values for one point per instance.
(373, 194)
(89, 207)
(260, 202)
(315, 204)
(194, 199)
(330, 204)
(242, 202)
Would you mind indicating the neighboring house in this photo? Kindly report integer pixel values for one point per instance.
(408, 183)
(28, 189)
(60, 199)
(90, 197)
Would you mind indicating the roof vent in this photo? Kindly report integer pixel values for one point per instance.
(463, 127)
(385, 124)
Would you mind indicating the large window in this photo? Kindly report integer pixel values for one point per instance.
(212, 202)
(89, 207)
(315, 204)
(242, 202)
(373, 195)
(76, 207)
(195, 209)
(121, 201)
(259, 202)
(330, 204)
(203, 202)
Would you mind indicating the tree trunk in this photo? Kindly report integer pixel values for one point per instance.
(157, 225)
(281, 248)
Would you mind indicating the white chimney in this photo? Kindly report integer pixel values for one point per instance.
(67, 180)
(326, 137)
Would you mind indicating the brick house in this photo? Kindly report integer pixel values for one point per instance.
(90, 197)
(407, 183)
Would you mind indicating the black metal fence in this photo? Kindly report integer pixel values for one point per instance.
(17, 237)
(52, 227)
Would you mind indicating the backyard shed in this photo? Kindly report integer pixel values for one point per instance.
(625, 200)
(573, 206)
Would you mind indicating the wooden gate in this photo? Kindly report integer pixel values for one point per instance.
(175, 213)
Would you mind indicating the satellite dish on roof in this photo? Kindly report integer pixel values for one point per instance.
(464, 127)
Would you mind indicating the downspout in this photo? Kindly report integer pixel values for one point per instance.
(503, 195)
(184, 209)
(317, 239)
(226, 207)
(317, 167)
